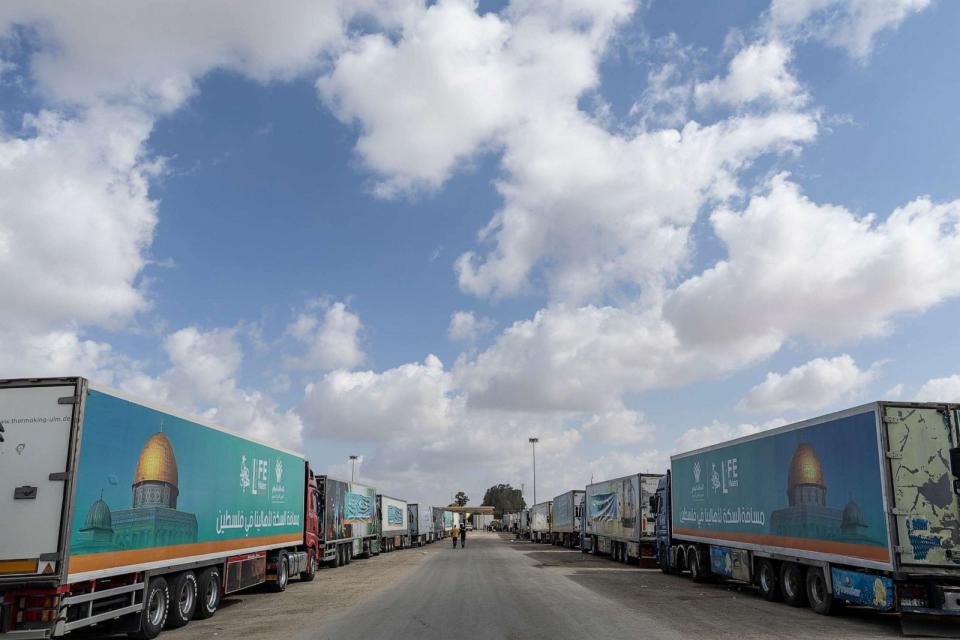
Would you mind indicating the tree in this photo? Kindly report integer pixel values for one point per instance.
(461, 499)
(503, 497)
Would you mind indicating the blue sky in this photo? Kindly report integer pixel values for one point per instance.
(274, 226)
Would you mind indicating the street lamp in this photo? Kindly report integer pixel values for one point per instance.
(353, 466)
(534, 441)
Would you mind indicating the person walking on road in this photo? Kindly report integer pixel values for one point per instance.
(463, 536)
(455, 534)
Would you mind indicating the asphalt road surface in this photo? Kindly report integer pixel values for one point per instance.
(500, 588)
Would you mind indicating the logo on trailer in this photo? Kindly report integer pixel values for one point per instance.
(278, 470)
(244, 474)
(696, 471)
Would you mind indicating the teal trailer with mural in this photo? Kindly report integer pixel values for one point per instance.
(859, 506)
(394, 520)
(118, 512)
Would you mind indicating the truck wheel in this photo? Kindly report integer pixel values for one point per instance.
(793, 584)
(156, 603)
(337, 557)
(283, 574)
(347, 553)
(821, 601)
(697, 573)
(663, 559)
(183, 600)
(208, 589)
(768, 580)
(311, 572)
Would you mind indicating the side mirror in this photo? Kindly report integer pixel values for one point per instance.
(653, 503)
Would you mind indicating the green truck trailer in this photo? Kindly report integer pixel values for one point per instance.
(117, 512)
(859, 506)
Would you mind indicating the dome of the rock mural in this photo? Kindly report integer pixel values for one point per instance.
(805, 468)
(98, 516)
(157, 462)
(852, 515)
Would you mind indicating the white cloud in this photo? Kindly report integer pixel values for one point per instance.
(202, 380)
(332, 343)
(815, 384)
(466, 327)
(797, 268)
(152, 55)
(604, 210)
(759, 72)
(717, 432)
(459, 80)
(76, 219)
(850, 24)
(940, 390)
(619, 428)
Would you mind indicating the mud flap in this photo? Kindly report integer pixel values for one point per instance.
(929, 626)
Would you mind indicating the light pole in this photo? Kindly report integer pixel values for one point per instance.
(353, 466)
(534, 441)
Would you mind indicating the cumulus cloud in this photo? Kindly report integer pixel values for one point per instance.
(717, 432)
(458, 80)
(798, 268)
(759, 72)
(331, 343)
(818, 383)
(605, 210)
(940, 390)
(466, 327)
(202, 380)
(850, 24)
(620, 427)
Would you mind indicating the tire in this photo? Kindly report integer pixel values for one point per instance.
(183, 600)
(697, 572)
(793, 584)
(208, 593)
(663, 559)
(311, 572)
(283, 575)
(156, 605)
(768, 580)
(336, 558)
(821, 601)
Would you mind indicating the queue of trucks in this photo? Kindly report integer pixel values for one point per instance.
(121, 514)
(857, 507)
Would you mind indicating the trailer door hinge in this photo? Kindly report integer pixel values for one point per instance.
(68, 400)
(894, 455)
(899, 512)
(899, 549)
(26, 492)
(891, 420)
(60, 476)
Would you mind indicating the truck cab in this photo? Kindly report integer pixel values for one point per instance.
(660, 508)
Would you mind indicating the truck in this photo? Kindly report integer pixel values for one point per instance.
(568, 518)
(858, 506)
(394, 523)
(122, 514)
(511, 521)
(422, 530)
(523, 526)
(481, 521)
(619, 522)
(540, 522)
(439, 532)
(348, 528)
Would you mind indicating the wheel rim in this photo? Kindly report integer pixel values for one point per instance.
(283, 572)
(187, 598)
(156, 607)
(765, 578)
(818, 591)
(790, 584)
(210, 595)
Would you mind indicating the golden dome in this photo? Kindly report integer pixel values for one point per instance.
(805, 468)
(157, 462)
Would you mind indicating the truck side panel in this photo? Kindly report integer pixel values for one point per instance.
(613, 508)
(814, 491)
(154, 488)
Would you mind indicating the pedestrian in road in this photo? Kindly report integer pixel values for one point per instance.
(455, 534)
(463, 536)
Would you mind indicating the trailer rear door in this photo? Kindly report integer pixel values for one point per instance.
(35, 444)
(926, 508)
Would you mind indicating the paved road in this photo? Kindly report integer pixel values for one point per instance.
(498, 588)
